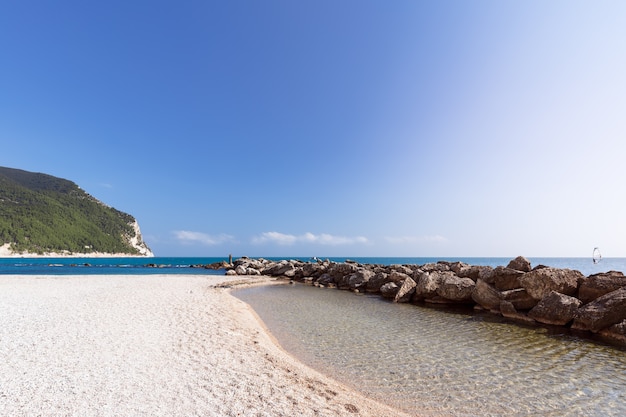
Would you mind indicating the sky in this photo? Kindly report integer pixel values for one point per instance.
(329, 128)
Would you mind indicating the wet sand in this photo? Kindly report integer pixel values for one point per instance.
(151, 345)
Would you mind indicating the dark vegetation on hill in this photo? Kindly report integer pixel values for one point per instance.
(40, 213)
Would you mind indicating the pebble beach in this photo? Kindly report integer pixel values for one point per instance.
(152, 345)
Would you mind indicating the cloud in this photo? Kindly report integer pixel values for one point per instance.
(321, 239)
(188, 237)
(406, 240)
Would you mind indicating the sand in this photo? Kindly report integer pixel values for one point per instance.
(151, 345)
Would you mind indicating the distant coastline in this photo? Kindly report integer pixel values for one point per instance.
(6, 252)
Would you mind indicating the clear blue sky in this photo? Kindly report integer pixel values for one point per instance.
(329, 128)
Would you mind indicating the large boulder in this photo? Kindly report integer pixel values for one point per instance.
(340, 270)
(509, 311)
(285, 268)
(406, 291)
(314, 270)
(506, 278)
(486, 295)
(436, 267)
(397, 276)
(403, 269)
(603, 312)
(520, 264)
(325, 280)
(358, 280)
(474, 272)
(616, 332)
(540, 282)
(378, 280)
(520, 299)
(486, 273)
(597, 285)
(389, 290)
(555, 308)
(454, 288)
(428, 284)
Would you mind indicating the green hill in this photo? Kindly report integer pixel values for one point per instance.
(40, 214)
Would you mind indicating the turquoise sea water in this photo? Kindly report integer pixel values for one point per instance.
(433, 361)
(182, 265)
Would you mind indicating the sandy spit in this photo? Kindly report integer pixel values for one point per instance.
(151, 345)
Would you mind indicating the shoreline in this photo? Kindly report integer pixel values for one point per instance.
(153, 345)
(6, 252)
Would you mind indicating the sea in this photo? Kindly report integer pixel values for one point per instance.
(195, 265)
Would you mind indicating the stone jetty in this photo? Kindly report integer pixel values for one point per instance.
(540, 295)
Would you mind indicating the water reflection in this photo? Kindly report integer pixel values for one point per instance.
(426, 360)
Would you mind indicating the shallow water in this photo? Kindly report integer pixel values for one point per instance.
(427, 360)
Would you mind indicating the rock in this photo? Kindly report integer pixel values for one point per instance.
(325, 280)
(406, 291)
(486, 273)
(435, 267)
(555, 308)
(359, 279)
(231, 272)
(340, 270)
(486, 296)
(508, 310)
(474, 272)
(506, 278)
(241, 270)
(456, 289)
(428, 284)
(520, 264)
(402, 269)
(378, 280)
(278, 269)
(214, 265)
(616, 332)
(540, 282)
(314, 270)
(389, 290)
(597, 285)
(602, 312)
(520, 299)
(293, 272)
(397, 277)
(458, 267)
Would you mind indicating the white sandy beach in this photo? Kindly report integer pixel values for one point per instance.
(151, 345)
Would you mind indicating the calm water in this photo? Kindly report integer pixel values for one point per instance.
(426, 360)
(181, 265)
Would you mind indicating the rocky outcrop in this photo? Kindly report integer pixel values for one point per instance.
(540, 282)
(506, 278)
(406, 291)
(457, 289)
(555, 308)
(486, 295)
(519, 264)
(544, 295)
(597, 285)
(603, 312)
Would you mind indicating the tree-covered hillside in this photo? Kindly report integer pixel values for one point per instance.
(40, 213)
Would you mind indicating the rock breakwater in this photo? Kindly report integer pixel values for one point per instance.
(533, 295)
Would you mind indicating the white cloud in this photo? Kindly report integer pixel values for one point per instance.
(406, 240)
(186, 236)
(321, 239)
